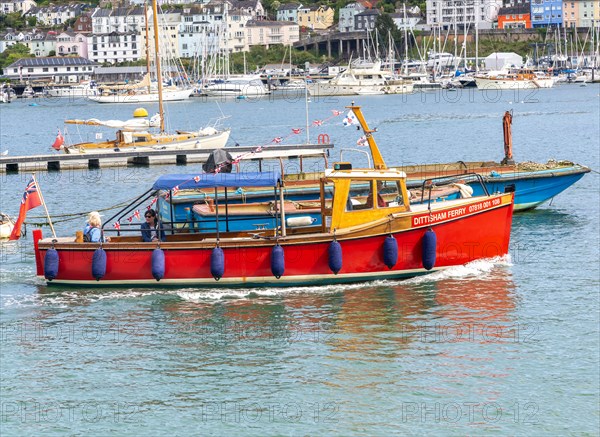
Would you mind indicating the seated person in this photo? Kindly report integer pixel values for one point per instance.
(92, 232)
(380, 200)
(152, 229)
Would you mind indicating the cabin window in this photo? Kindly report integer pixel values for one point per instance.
(374, 194)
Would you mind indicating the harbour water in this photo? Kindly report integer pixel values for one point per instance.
(503, 346)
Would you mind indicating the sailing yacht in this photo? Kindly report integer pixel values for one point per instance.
(134, 134)
(145, 91)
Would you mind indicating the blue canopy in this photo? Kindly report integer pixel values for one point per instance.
(217, 180)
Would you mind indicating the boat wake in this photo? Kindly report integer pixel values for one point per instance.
(473, 270)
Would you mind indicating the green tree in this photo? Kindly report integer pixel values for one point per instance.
(14, 20)
(385, 26)
(14, 53)
(31, 21)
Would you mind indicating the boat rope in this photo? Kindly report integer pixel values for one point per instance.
(72, 216)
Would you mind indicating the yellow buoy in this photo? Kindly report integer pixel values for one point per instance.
(140, 112)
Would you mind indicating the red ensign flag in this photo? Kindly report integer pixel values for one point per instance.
(31, 199)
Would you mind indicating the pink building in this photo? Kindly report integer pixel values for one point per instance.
(71, 43)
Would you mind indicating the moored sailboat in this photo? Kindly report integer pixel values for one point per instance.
(134, 134)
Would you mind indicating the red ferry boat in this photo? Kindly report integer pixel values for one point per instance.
(374, 237)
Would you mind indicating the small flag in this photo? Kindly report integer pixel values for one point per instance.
(196, 179)
(117, 225)
(175, 190)
(258, 149)
(30, 200)
(58, 142)
(277, 140)
(136, 214)
(130, 219)
(296, 130)
(98, 135)
(318, 122)
(350, 119)
(335, 112)
(362, 141)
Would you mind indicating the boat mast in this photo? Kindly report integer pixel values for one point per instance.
(147, 45)
(405, 43)
(157, 61)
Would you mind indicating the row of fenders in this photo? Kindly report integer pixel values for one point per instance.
(217, 259)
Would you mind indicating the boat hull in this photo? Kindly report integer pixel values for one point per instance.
(513, 84)
(483, 231)
(164, 142)
(322, 89)
(6, 229)
(168, 96)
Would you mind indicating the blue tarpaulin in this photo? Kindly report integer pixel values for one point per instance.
(218, 180)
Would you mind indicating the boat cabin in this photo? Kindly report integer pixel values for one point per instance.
(216, 203)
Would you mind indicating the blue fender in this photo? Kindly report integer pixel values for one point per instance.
(335, 257)
(99, 264)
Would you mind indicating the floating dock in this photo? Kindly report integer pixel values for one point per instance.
(81, 161)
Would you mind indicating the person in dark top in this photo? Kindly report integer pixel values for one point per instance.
(152, 228)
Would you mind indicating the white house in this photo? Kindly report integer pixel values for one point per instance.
(41, 44)
(114, 47)
(448, 14)
(69, 69)
(7, 7)
(55, 15)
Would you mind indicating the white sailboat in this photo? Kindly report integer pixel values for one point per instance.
(145, 91)
(134, 134)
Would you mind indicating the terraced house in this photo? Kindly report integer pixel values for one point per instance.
(55, 15)
(315, 17)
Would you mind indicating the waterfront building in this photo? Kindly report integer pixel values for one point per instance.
(315, 17)
(57, 69)
(8, 7)
(546, 13)
(515, 17)
(200, 33)
(115, 47)
(268, 33)
(448, 14)
(346, 16)
(288, 12)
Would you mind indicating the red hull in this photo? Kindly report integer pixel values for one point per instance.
(484, 234)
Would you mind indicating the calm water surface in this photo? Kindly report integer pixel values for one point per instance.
(502, 346)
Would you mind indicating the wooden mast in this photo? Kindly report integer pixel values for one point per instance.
(147, 44)
(157, 62)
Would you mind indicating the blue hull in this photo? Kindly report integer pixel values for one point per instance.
(531, 188)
